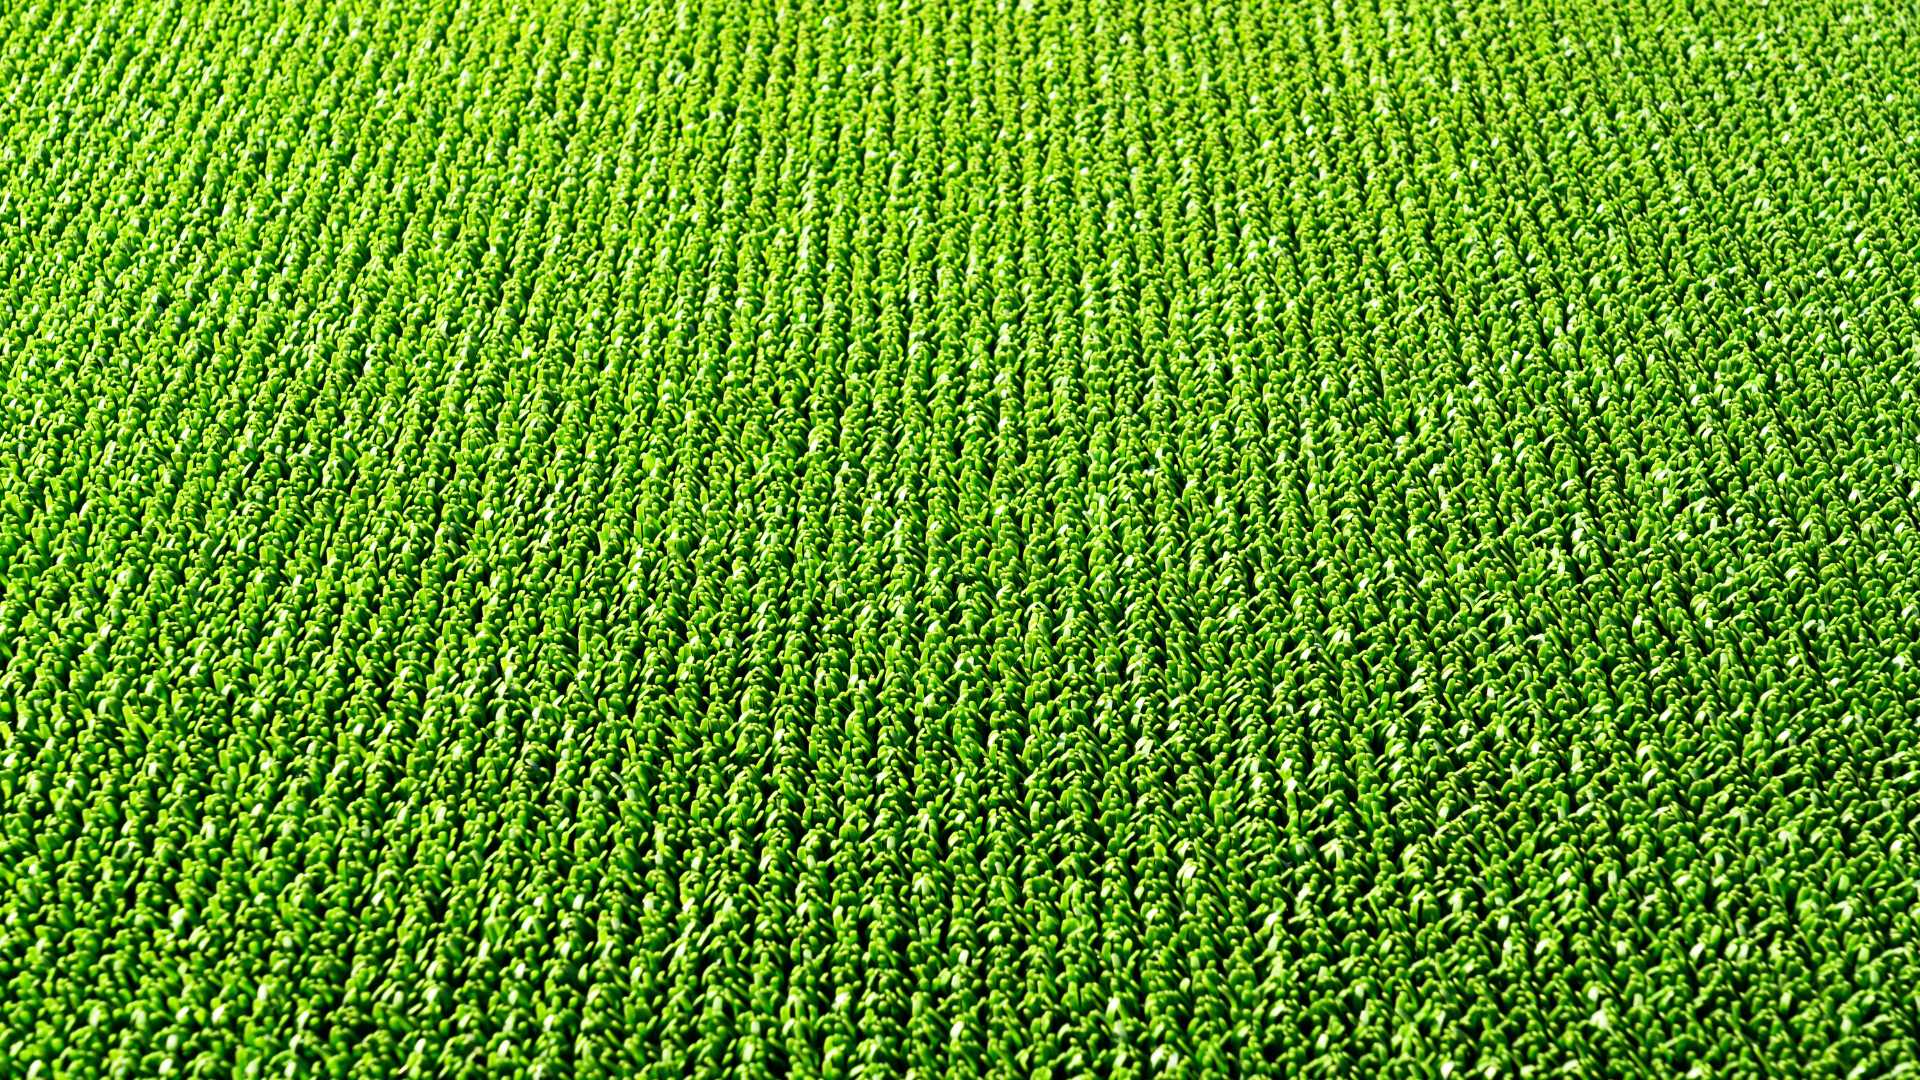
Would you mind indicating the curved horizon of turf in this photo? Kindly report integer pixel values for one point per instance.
(959, 539)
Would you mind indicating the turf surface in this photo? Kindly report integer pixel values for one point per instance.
(959, 538)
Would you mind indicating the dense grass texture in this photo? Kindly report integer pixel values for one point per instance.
(959, 538)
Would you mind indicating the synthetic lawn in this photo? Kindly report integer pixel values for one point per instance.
(963, 538)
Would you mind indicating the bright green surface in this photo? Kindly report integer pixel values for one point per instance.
(1127, 539)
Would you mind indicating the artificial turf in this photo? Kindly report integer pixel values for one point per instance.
(959, 538)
